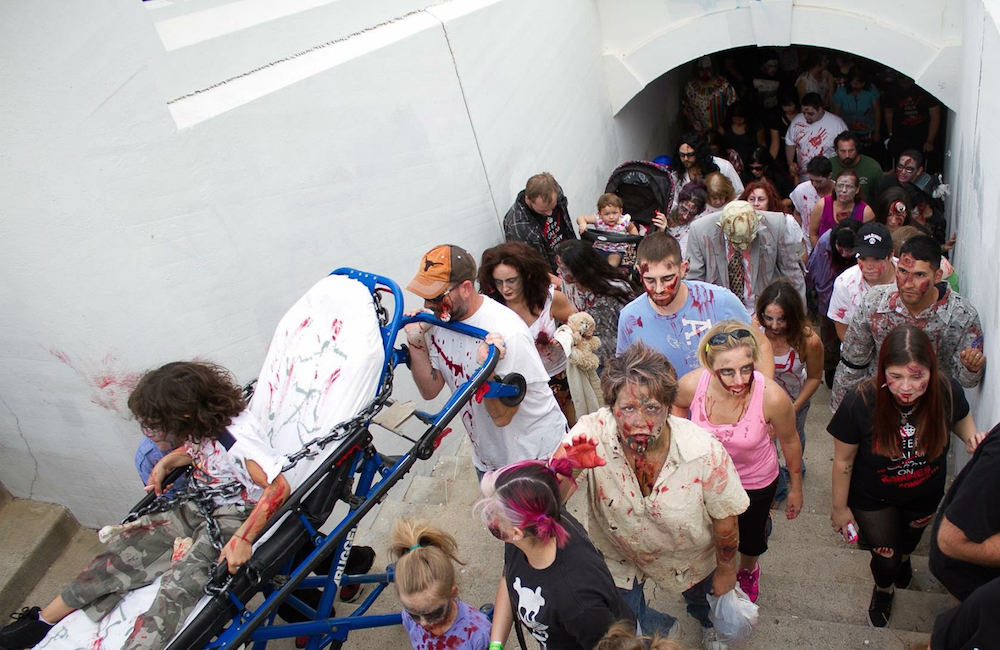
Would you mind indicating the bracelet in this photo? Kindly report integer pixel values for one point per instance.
(495, 645)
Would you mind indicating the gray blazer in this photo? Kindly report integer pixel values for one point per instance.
(773, 254)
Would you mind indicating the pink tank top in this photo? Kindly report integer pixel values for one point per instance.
(748, 441)
(826, 221)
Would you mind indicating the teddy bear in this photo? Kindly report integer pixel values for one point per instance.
(585, 344)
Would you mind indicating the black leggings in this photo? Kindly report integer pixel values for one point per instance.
(890, 527)
(753, 522)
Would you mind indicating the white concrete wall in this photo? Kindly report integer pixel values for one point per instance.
(139, 232)
(973, 169)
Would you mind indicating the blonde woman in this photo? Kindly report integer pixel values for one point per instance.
(739, 406)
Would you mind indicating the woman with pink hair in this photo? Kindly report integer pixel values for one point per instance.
(553, 578)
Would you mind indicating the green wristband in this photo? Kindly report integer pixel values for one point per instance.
(495, 645)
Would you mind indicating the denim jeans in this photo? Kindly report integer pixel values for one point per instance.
(652, 622)
(783, 475)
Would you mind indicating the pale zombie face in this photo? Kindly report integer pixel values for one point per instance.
(686, 211)
(508, 282)
(906, 169)
(873, 268)
(564, 271)
(774, 319)
(907, 382)
(811, 113)
(543, 204)
(640, 418)
(758, 199)
(610, 215)
(914, 278)
(734, 369)
(662, 280)
(819, 183)
(429, 610)
(846, 189)
(847, 152)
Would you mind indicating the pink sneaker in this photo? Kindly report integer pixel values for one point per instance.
(750, 582)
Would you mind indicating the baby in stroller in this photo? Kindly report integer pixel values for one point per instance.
(610, 217)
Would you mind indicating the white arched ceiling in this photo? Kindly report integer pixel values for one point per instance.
(643, 39)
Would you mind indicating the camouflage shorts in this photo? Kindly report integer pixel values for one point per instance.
(174, 545)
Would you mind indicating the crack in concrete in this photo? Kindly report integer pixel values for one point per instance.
(17, 421)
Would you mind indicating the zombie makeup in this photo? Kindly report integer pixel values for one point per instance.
(846, 190)
(907, 383)
(758, 199)
(896, 216)
(774, 319)
(734, 370)
(914, 278)
(872, 268)
(564, 272)
(640, 419)
(661, 281)
(496, 531)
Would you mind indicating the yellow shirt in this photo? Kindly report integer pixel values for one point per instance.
(666, 536)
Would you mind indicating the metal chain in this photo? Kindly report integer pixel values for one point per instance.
(204, 495)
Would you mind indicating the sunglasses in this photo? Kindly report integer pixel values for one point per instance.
(440, 299)
(722, 337)
(688, 154)
(431, 617)
(757, 168)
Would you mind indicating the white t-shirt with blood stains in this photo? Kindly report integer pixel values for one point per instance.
(224, 459)
(538, 425)
(816, 139)
(849, 290)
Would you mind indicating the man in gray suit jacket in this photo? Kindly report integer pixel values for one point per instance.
(744, 250)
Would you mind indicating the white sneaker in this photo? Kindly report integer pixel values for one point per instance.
(710, 640)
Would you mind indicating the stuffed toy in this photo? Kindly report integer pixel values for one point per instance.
(585, 344)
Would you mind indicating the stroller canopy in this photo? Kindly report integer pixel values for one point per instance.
(644, 187)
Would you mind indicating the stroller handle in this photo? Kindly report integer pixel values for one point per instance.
(594, 235)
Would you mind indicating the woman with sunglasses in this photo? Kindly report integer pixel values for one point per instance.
(890, 458)
(740, 406)
(515, 275)
(555, 582)
(844, 203)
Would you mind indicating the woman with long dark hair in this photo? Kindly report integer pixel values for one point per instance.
(798, 355)
(690, 205)
(554, 581)
(594, 286)
(514, 274)
(762, 166)
(894, 208)
(891, 457)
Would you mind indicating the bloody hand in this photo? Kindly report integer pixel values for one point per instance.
(581, 451)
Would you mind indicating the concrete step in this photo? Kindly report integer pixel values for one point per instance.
(773, 632)
(32, 536)
(81, 548)
(812, 526)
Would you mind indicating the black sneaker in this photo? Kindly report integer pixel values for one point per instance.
(25, 631)
(904, 575)
(880, 608)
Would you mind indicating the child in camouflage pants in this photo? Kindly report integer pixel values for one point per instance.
(200, 404)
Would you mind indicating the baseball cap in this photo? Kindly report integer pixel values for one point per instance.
(873, 240)
(441, 267)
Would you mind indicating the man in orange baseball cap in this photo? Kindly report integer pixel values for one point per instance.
(500, 434)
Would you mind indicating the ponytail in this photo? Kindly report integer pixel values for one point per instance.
(423, 556)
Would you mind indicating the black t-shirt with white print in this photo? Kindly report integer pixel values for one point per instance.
(571, 603)
(879, 481)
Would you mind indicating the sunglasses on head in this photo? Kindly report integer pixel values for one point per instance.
(722, 337)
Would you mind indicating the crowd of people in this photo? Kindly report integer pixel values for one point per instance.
(805, 244)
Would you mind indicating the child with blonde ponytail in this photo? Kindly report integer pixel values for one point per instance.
(425, 580)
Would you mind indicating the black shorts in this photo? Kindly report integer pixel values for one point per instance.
(753, 538)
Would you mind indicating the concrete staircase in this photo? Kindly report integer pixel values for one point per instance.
(41, 546)
(814, 588)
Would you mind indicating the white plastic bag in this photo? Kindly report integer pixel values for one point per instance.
(733, 616)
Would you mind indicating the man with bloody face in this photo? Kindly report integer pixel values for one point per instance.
(876, 266)
(500, 434)
(919, 298)
(674, 313)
